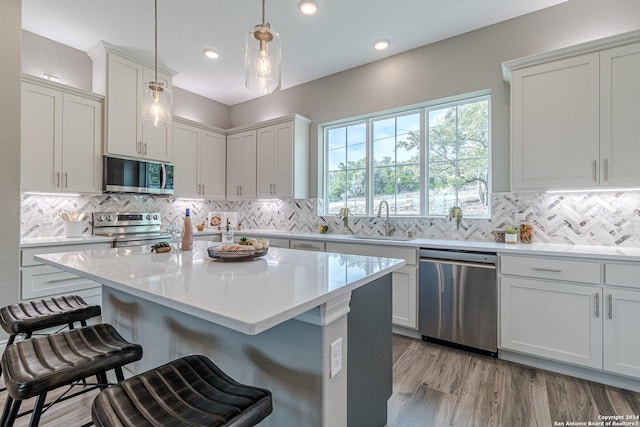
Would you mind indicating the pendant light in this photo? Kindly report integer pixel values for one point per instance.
(156, 100)
(262, 58)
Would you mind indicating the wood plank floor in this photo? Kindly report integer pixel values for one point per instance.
(436, 386)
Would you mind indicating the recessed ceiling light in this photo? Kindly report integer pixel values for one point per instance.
(210, 53)
(381, 44)
(308, 7)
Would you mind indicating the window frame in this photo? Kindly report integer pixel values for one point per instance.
(368, 119)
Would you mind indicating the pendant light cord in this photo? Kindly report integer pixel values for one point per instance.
(263, 14)
(156, 43)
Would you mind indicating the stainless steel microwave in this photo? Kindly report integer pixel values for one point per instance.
(136, 176)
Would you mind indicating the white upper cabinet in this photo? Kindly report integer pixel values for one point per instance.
(199, 157)
(554, 125)
(241, 165)
(121, 77)
(283, 160)
(61, 138)
(619, 138)
(573, 114)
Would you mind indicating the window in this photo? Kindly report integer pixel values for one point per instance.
(458, 158)
(420, 161)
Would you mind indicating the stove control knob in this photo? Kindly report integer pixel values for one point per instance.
(155, 217)
(108, 218)
(148, 217)
(99, 218)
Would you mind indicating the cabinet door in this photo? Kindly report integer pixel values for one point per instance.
(266, 147)
(185, 158)
(552, 319)
(213, 165)
(81, 146)
(405, 297)
(284, 161)
(241, 166)
(124, 103)
(621, 337)
(555, 125)
(619, 140)
(41, 140)
(156, 140)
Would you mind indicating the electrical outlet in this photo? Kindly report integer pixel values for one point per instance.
(285, 217)
(47, 217)
(336, 357)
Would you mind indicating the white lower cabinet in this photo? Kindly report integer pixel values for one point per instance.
(588, 324)
(404, 282)
(553, 320)
(38, 281)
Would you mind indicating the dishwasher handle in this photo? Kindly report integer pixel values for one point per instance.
(464, 256)
(462, 263)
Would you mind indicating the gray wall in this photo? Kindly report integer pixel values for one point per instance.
(200, 109)
(44, 56)
(457, 65)
(41, 55)
(10, 23)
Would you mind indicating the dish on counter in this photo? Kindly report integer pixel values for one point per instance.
(235, 252)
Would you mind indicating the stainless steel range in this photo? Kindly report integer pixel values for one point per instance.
(130, 228)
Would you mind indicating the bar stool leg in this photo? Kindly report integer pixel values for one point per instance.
(119, 374)
(10, 412)
(11, 339)
(37, 410)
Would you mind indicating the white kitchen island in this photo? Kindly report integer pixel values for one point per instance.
(269, 322)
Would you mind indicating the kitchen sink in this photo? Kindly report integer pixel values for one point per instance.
(392, 238)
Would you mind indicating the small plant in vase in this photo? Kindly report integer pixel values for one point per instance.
(511, 235)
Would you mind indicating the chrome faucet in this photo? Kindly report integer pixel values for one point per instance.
(344, 214)
(388, 228)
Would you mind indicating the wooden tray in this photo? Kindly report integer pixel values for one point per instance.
(230, 256)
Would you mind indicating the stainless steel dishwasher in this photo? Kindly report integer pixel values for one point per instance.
(458, 299)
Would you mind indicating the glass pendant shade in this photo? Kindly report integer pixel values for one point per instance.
(262, 60)
(156, 104)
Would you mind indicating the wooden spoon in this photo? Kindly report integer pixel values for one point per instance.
(74, 216)
(64, 216)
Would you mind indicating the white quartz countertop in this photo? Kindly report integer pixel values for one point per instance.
(543, 249)
(249, 297)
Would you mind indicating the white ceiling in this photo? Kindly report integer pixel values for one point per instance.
(340, 36)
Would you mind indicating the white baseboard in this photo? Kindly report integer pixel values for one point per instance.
(602, 377)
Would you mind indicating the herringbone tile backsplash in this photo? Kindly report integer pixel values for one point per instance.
(610, 219)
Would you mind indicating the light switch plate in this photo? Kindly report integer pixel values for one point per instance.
(336, 357)
(47, 217)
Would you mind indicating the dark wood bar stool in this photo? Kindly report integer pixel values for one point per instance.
(36, 366)
(188, 391)
(29, 317)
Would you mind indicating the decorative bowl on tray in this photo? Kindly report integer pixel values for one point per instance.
(235, 253)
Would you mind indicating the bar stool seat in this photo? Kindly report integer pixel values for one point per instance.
(188, 391)
(28, 317)
(36, 366)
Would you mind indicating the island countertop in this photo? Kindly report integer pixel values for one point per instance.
(249, 297)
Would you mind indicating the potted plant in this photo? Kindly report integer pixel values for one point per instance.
(456, 213)
(511, 235)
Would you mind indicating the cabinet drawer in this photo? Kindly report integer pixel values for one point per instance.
(622, 275)
(307, 245)
(551, 268)
(43, 281)
(410, 255)
(28, 253)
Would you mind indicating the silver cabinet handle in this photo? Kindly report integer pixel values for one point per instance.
(139, 147)
(274, 188)
(203, 189)
(610, 306)
(606, 169)
(595, 170)
(57, 179)
(550, 270)
(240, 186)
(145, 148)
(597, 305)
(66, 180)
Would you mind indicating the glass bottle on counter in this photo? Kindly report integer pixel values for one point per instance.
(187, 237)
(227, 233)
(526, 230)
